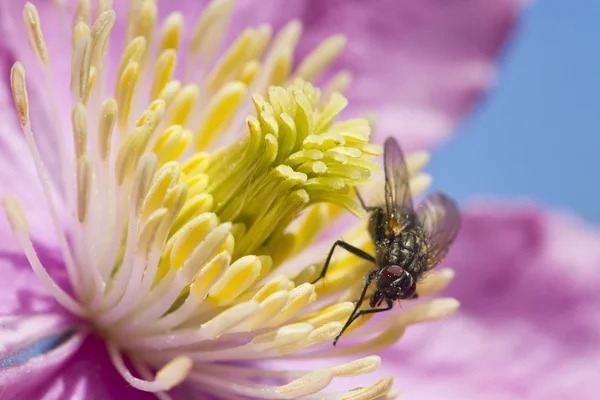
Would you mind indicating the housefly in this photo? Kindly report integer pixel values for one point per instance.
(408, 242)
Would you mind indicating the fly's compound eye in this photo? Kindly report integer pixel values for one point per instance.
(391, 274)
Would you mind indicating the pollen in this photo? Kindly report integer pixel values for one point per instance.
(192, 199)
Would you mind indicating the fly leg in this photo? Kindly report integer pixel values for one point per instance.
(351, 318)
(362, 201)
(348, 247)
(359, 314)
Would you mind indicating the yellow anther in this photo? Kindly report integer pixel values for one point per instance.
(80, 30)
(300, 297)
(170, 92)
(144, 23)
(31, 18)
(195, 206)
(163, 69)
(83, 12)
(196, 164)
(103, 5)
(126, 86)
(84, 183)
(237, 278)
(281, 68)
(339, 83)
(174, 202)
(331, 110)
(268, 307)
(228, 319)
(209, 273)
(435, 282)
(375, 391)
(132, 53)
(198, 184)
(208, 32)
(312, 223)
(106, 124)
(143, 179)
(91, 80)
(147, 231)
(319, 335)
(232, 61)
(153, 115)
(249, 72)
(285, 335)
(100, 33)
(170, 33)
(173, 143)
(182, 105)
(358, 367)
(174, 372)
(19, 92)
(130, 152)
(308, 384)
(15, 215)
(80, 68)
(188, 239)
(165, 178)
(320, 58)
(80, 129)
(335, 313)
(219, 112)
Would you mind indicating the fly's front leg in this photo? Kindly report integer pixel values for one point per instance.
(351, 318)
(348, 247)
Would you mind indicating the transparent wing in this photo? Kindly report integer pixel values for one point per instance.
(397, 194)
(439, 217)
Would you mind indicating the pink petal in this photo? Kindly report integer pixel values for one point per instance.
(528, 326)
(23, 365)
(21, 292)
(419, 65)
(89, 374)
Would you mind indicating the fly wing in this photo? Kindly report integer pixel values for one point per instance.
(439, 217)
(398, 200)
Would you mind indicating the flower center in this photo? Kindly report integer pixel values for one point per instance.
(174, 251)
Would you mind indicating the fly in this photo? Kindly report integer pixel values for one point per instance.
(408, 242)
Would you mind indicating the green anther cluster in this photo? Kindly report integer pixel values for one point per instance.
(293, 156)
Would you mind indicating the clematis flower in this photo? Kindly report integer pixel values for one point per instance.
(163, 262)
(528, 325)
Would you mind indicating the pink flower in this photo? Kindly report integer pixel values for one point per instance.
(434, 60)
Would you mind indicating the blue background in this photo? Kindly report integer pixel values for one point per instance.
(537, 133)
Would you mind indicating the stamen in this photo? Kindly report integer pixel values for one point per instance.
(207, 35)
(169, 376)
(219, 111)
(320, 58)
(376, 391)
(31, 18)
(142, 25)
(83, 12)
(84, 192)
(163, 70)
(435, 282)
(182, 105)
(124, 93)
(19, 90)
(170, 33)
(80, 67)
(108, 117)
(20, 226)
(103, 5)
(80, 129)
(100, 34)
